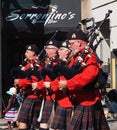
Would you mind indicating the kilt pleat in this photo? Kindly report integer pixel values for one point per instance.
(29, 111)
(89, 118)
(34, 111)
(62, 118)
(47, 110)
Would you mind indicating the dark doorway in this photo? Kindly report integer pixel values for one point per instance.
(26, 22)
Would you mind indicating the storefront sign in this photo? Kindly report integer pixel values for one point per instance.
(47, 15)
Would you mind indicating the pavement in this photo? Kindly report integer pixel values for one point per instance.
(111, 119)
(111, 122)
(3, 125)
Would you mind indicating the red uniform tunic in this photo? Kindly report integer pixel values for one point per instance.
(78, 82)
(62, 97)
(40, 85)
(26, 83)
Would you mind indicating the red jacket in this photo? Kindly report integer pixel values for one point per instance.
(62, 97)
(41, 87)
(59, 96)
(49, 96)
(79, 81)
(26, 83)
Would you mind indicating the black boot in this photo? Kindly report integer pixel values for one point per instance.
(32, 127)
(43, 129)
(22, 129)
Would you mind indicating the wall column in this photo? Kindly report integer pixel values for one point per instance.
(113, 73)
(85, 9)
(0, 67)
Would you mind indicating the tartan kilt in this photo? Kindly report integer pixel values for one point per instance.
(29, 111)
(89, 118)
(62, 118)
(47, 110)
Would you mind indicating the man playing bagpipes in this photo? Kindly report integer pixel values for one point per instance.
(64, 108)
(64, 104)
(80, 86)
(31, 105)
(88, 113)
(50, 60)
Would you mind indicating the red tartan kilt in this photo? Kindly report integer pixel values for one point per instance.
(89, 118)
(29, 111)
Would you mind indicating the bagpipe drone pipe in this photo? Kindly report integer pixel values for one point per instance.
(94, 40)
(33, 70)
(69, 72)
(20, 73)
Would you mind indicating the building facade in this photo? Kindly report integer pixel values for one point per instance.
(108, 48)
(29, 22)
(14, 42)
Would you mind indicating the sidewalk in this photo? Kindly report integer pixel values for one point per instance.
(111, 122)
(111, 119)
(3, 125)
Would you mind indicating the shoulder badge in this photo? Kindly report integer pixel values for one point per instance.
(73, 35)
(50, 43)
(64, 44)
(29, 48)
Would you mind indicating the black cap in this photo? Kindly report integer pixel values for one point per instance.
(53, 43)
(65, 44)
(77, 35)
(32, 48)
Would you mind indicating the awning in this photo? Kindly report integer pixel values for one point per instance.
(40, 17)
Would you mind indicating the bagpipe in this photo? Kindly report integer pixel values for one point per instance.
(46, 62)
(94, 39)
(33, 70)
(20, 72)
(42, 54)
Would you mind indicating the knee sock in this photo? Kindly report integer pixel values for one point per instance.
(22, 129)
